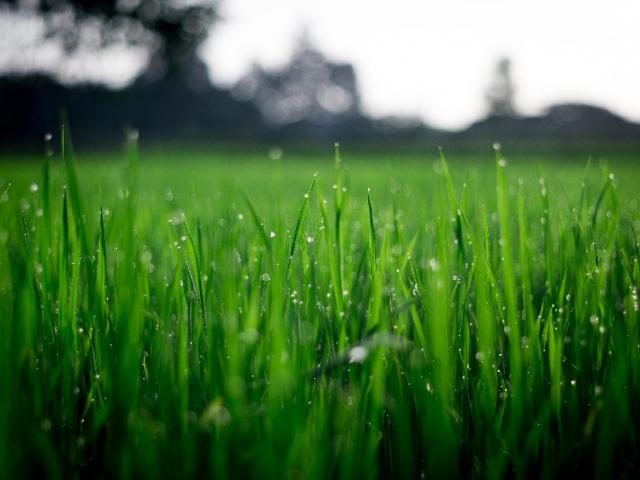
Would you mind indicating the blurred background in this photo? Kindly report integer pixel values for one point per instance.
(416, 73)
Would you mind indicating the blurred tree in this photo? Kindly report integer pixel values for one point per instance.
(501, 91)
(172, 29)
(308, 88)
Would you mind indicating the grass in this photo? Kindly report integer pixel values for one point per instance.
(169, 316)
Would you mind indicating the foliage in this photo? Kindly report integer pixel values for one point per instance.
(308, 88)
(501, 92)
(173, 28)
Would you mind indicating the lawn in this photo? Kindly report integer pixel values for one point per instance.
(180, 314)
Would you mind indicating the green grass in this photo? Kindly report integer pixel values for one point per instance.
(228, 315)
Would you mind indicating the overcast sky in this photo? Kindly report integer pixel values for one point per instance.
(434, 59)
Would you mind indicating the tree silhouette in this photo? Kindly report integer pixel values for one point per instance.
(501, 91)
(171, 29)
(309, 87)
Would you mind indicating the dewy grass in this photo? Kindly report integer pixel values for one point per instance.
(178, 327)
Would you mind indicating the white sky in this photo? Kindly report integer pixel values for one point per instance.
(23, 50)
(434, 59)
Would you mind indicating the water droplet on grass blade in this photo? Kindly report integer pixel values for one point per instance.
(358, 354)
(177, 218)
(216, 413)
(132, 134)
(275, 153)
(434, 265)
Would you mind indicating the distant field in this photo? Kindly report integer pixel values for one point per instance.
(168, 314)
